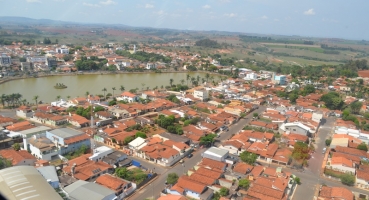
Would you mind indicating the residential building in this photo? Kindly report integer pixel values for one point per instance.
(50, 175)
(128, 96)
(186, 186)
(36, 59)
(21, 157)
(150, 66)
(201, 94)
(362, 176)
(24, 112)
(5, 60)
(51, 62)
(340, 193)
(68, 140)
(280, 79)
(341, 164)
(121, 187)
(42, 147)
(62, 50)
(297, 128)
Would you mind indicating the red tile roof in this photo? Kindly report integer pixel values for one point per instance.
(336, 193)
(16, 156)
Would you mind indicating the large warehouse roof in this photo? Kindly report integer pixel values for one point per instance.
(25, 183)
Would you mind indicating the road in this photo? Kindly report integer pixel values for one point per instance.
(154, 189)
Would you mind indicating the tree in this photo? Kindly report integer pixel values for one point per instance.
(58, 97)
(255, 115)
(113, 90)
(348, 179)
(328, 142)
(122, 172)
(300, 151)
(208, 139)
(87, 93)
(244, 183)
(104, 90)
(332, 100)
(128, 140)
(172, 178)
(362, 146)
(223, 191)
(141, 135)
(355, 107)
(188, 77)
(121, 88)
(16, 146)
(171, 82)
(35, 98)
(297, 180)
(308, 89)
(248, 157)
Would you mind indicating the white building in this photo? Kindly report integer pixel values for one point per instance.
(41, 147)
(137, 144)
(150, 66)
(62, 104)
(202, 94)
(62, 50)
(251, 76)
(216, 153)
(5, 60)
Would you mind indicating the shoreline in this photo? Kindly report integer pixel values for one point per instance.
(103, 73)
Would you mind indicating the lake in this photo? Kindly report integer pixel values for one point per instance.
(78, 85)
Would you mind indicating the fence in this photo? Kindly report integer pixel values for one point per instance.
(144, 182)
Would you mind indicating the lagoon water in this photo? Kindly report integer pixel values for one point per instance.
(78, 85)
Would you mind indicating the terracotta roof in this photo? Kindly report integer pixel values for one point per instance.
(202, 179)
(209, 173)
(233, 143)
(335, 160)
(172, 197)
(363, 174)
(242, 168)
(111, 182)
(128, 94)
(77, 138)
(16, 156)
(336, 193)
(213, 164)
(351, 151)
(265, 193)
(185, 182)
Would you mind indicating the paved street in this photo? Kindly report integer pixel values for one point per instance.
(157, 186)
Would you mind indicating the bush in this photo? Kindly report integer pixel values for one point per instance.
(362, 146)
(328, 142)
(223, 191)
(348, 179)
(297, 180)
(244, 183)
(172, 178)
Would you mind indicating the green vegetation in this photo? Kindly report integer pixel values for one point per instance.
(144, 56)
(297, 180)
(60, 86)
(141, 135)
(16, 146)
(207, 140)
(86, 112)
(172, 178)
(223, 191)
(4, 163)
(192, 121)
(301, 152)
(12, 100)
(348, 179)
(136, 175)
(90, 64)
(82, 150)
(362, 146)
(169, 124)
(332, 100)
(328, 142)
(173, 98)
(207, 43)
(244, 184)
(248, 157)
(128, 139)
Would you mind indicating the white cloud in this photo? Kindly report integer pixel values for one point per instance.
(206, 6)
(108, 2)
(90, 4)
(149, 6)
(230, 14)
(33, 1)
(160, 12)
(264, 17)
(309, 12)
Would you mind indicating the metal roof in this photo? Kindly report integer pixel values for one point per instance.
(65, 132)
(81, 190)
(216, 151)
(25, 183)
(49, 173)
(35, 130)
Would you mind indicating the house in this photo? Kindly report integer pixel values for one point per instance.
(24, 112)
(340, 193)
(49, 119)
(104, 115)
(78, 121)
(150, 66)
(341, 164)
(186, 186)
(21, 157)
(121, 187)
(201, 94)
(85, 169)
(137, 144)
(116, 159)
(68, 140)
(362, 176)
(232, 146)
(42, 147)
(128, 96)
(297, 128)
(81, 190)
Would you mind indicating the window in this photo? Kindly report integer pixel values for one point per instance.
(294, 129)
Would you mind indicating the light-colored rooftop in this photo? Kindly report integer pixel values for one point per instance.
(49, 173)
(66, 132)
(216, 151)
(25, 183)
(33, 131)
(81, 190)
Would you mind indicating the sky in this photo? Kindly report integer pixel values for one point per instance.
(315, 18)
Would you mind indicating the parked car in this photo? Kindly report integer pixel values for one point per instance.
(181, 161)
(324, 150)
(189, 155)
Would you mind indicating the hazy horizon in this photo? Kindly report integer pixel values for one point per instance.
(328, 19)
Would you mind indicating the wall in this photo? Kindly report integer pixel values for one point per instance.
(75, 146)
(343, 168)
(297, 130)
(362, 182)
(29, 162)
(192, 194)
(35, 151)
(231, 149)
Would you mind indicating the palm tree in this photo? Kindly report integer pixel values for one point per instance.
(68, 97)
(198, 78)
(113, 91)
(203, 80)
(207, 76)
(188, 77)
(143, 85)
(104, 90)
(171, 82)
(58, 97)
(87, 93)
(193, 79)
(3, 99)
(122, 88)
(35, 99)
(182, 81)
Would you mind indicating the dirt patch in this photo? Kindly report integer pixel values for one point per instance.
(224, 51)
(276, 60)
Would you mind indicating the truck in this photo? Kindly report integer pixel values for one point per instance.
(104, 122)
